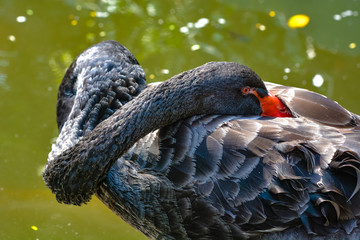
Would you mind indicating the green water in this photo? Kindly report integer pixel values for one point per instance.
(39, 39)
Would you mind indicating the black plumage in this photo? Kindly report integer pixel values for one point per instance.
(191, 158)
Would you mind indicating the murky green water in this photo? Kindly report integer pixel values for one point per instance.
(39, 39)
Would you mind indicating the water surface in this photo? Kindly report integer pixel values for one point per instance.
(39, 40)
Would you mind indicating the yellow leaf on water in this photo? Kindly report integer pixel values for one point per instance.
(298, 21)
(92, 14)
(35, 228)
(74, 22)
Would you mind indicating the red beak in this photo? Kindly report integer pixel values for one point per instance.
(272, 106)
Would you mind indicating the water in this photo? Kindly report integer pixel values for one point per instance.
(39, 39)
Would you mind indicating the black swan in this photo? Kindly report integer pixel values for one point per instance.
(211, 153)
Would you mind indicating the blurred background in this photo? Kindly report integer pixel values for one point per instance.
(318, 50)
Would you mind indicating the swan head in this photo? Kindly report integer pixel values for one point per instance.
(231, 89)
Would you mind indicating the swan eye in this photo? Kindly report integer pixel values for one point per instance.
(284, 110)
(245, 90)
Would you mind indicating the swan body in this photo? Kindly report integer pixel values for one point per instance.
(193, 157)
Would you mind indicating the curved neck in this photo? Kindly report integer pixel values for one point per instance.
(91, 158)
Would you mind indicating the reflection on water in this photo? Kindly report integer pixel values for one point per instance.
(42, 38)
(5, 57)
